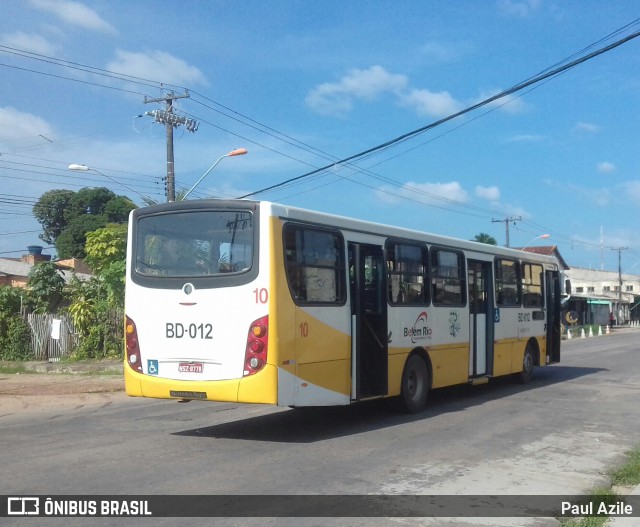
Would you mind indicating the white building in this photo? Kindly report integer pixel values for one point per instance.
(598, 298)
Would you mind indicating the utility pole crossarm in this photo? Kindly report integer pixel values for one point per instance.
(171, 121)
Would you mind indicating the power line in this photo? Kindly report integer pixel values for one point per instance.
(534, 80)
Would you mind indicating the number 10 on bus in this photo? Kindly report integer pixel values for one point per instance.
(261, 295)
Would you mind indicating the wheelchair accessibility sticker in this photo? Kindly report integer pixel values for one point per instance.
(152, 367)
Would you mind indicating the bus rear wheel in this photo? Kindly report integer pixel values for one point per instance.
(415, 385)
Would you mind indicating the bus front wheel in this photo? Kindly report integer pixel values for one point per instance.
(415, 385)
(528, 362)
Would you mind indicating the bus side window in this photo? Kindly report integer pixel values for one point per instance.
(407, 266)
(508, 282)
(314, 265)
(448, 277)
(532, 280)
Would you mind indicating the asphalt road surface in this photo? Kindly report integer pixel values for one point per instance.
(560, 434)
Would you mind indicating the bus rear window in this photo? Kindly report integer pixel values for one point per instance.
(194, 244)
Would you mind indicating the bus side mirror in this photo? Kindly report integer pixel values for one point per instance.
(567, 286)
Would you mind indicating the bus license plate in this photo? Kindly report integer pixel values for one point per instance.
(190, 367)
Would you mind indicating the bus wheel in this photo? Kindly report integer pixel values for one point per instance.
(415, 385)
(527, 365)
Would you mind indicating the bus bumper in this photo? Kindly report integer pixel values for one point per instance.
(259, 388)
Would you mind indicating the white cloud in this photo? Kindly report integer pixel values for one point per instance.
(488, 193)
(439, 52)
(631, 190)
(429, 193)
(525, 138)
(29, 42)
(606, 168)
(75, 13)
(520, 8)
(157, 65)
(431, 104)
(336, 98)
(16, 125)
(587, 127)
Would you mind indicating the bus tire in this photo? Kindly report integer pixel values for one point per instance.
(415, 385)
(528, 362)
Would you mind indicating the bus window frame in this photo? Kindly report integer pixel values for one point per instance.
(390, 245)
(340, 267)
(518, 283)
(526, 286)
(462, 276)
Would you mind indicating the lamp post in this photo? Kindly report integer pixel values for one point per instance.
(236, 152)
(84, 168)
(533, 239)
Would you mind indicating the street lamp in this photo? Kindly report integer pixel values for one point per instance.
(84, 168)
(533, 239)
(236, 152)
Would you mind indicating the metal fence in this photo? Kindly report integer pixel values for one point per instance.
(52, 336)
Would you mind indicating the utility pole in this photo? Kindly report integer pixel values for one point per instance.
(619, 249)
(506, 224)
(171, 121)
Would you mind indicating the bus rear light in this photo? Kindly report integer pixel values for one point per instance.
(258, 330)
(132, 347)
(255, 356)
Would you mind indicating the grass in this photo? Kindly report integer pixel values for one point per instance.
(13, 368)
(625, 475)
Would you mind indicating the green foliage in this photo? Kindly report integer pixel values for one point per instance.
(483, 237)
(106, 246)
(15, 338)
(629, 472)
(71, 243)
(117, 209)
(12, 300)
(45, 286)
(66, 216)
(15, 334)
(50, 213)
(96, 314)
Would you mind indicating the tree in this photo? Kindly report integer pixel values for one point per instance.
(71, 243)
(106, 246)
(66, 216)
(45, 286)
(485, 238)
(96, 304)
(106, 252)
(50, 213)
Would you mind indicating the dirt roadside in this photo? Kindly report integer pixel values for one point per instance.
(33, 391)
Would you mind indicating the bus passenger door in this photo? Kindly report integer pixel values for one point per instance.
(369, 364)
(553, 316)
(481, 320)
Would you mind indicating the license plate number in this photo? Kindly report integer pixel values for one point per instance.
(190, 367)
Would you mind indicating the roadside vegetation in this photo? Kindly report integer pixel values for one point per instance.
(623, 478)
(91, 225)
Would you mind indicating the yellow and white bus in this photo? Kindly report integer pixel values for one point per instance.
(256, 302)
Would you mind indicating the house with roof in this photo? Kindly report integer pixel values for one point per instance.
(14, 272)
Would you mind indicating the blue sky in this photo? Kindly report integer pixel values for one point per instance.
(304, 84)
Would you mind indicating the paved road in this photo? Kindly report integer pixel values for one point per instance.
(557, 435)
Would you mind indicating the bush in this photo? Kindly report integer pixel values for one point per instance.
(15, 339)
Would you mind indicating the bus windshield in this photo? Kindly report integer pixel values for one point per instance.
(194, 243)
